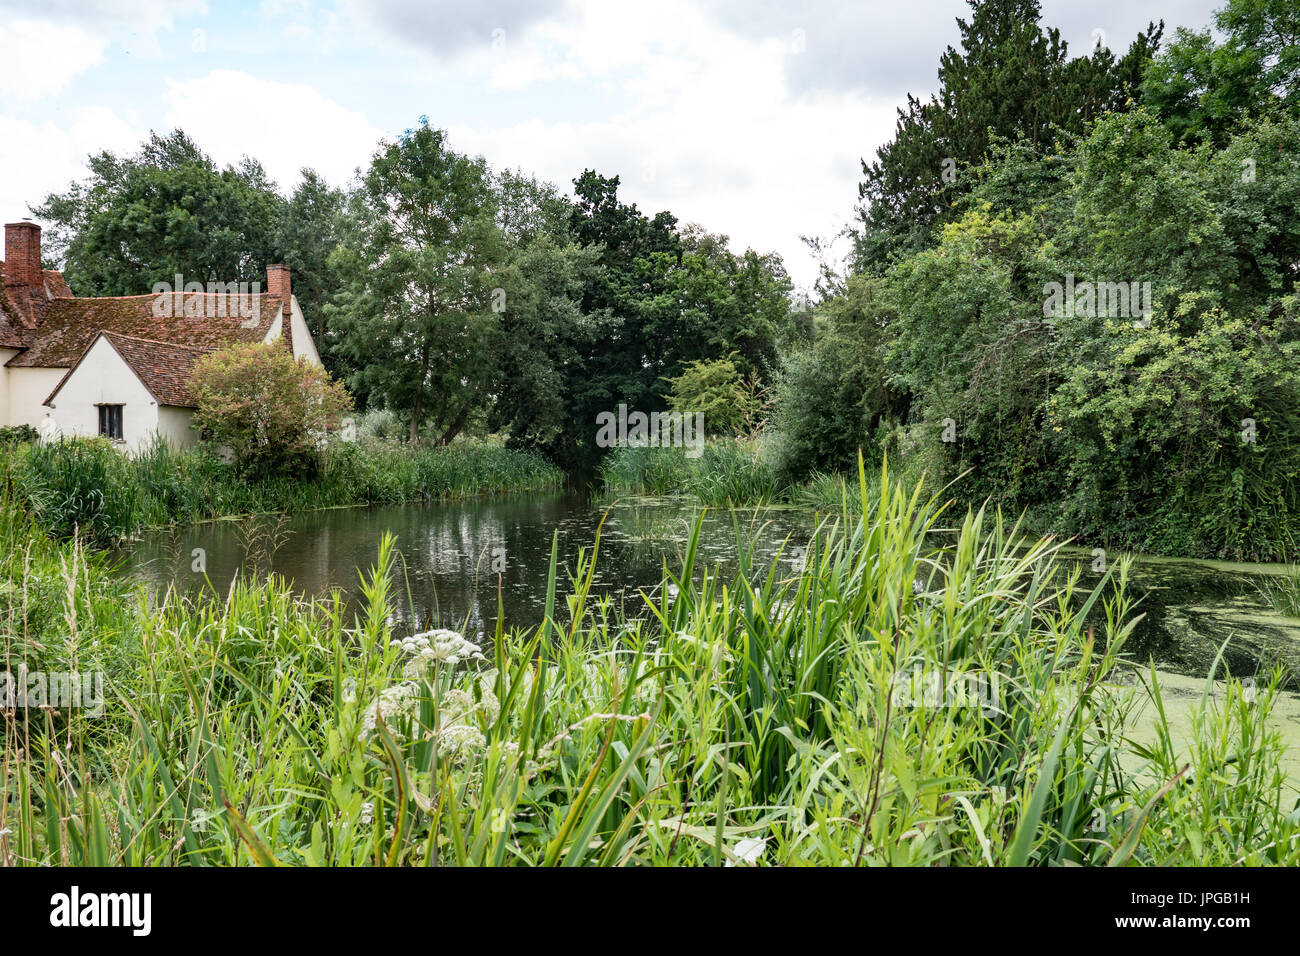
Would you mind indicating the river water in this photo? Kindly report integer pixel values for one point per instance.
(458, 559)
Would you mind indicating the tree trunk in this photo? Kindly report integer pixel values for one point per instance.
(418, 406)
(456, 425)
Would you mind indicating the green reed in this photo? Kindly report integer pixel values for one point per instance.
(770, 717)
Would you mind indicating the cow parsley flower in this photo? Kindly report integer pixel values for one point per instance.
(748, 851)
(461, 741)
(440, 645)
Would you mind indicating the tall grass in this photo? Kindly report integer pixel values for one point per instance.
(760, 719)
(727, 472)
(84, 486)
(1283, 592)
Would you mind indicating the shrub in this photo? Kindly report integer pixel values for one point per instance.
(271, 409)
(716, 389)
(18, 435)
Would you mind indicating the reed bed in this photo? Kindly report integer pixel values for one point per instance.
(766, 719)
(85, 487)
(727, 472)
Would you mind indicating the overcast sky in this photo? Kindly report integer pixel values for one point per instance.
(749, 117)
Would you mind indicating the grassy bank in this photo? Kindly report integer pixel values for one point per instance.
(85, 485)
(730, 472)
(768, 719)
(734, 472)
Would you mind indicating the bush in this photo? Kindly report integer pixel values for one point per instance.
(271, 409)
(835, 397)
(18, 435)
(715, 389)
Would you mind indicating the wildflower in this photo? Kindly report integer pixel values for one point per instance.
(457, 704)
(461, 741)
(440, 645)
(393, 701)
(367, 812)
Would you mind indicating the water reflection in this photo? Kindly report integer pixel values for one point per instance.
(459, 559)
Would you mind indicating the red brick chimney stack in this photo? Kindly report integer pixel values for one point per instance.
(23, 255)
(277, 283)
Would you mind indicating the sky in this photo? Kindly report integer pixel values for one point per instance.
(746, 116)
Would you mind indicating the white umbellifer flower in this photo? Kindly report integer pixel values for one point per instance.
(748, 851)
(367, 812)
(394, 700)
(460, 741)
(440, 645)
(456, 704)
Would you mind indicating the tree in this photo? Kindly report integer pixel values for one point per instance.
(1009, 79)
(416, 312)
(271, 409)
(1205, 89)
(716, 389)
(168, 210)
(663, 297)
(835, 396)
(314, 222)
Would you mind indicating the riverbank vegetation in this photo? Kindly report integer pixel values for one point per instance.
(1093, 323)
(891, 704)
(929, 685)
(1079, 295)
(85, 487)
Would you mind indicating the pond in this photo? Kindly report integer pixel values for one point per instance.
(452, 555)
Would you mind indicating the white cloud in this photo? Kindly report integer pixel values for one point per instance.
(30, 72)
(134, 24)
(285, 126)
(50, 157)
(708, 126)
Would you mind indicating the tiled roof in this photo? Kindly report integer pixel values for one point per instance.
(21, 310)
(215, 321)
(163, 367)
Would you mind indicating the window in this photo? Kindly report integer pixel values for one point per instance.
(110, 421)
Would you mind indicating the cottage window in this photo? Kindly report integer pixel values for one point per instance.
(110, 421)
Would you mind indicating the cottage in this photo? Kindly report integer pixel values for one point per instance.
(120, 366)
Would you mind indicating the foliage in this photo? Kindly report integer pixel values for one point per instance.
(1185, 437)
(1207, 89)
(168, 210)
(764, 720)
(270, 409)
(18, 435)
(415, 314)
(1010, 79)
(716, 390)
(83, 487)
(729, 472)
(834, 397)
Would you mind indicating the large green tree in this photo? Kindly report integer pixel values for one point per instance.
(416, 315)
(169, 210)
(1206, 88)
(1008, 78)
(165, 211)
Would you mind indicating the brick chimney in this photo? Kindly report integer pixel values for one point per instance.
(277, 283)
(24, 280)
(23, 255)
